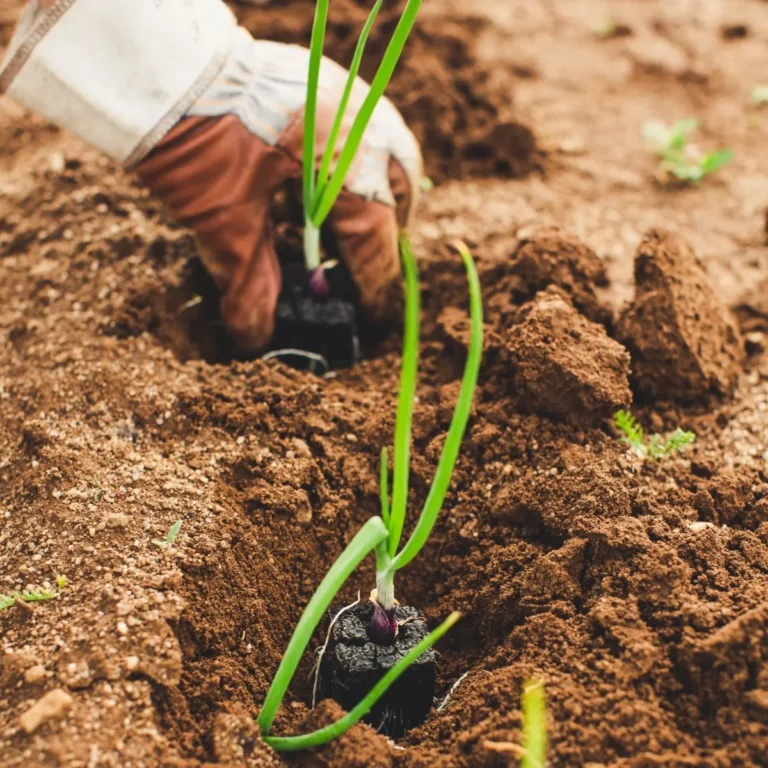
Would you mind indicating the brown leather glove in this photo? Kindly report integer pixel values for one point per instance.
(220, 166)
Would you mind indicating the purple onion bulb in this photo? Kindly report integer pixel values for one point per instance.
(383, 627)
(319, 283)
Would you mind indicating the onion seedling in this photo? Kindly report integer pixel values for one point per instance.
(382, 533)
(388, 559)
(322, 187)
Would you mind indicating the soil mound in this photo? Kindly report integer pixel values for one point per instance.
(565, 365)
(685, 344)
(548, 257)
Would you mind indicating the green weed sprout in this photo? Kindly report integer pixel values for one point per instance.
(321, 188)
(170, 538)
(33, 595)
(382, 533)
(656, 447)
(759, 95)
(680, 159)
(534, 726)
(633, 432)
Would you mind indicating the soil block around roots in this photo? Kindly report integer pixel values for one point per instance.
(352, 665)
(316, 332)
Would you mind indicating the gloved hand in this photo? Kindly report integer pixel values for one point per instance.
(220, 166)
(218, 162)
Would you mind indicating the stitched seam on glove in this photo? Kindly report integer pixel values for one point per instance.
(39, 29)
(179, 110)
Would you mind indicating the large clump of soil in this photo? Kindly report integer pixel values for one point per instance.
(565, 365)
(550, 256)
(685, 343)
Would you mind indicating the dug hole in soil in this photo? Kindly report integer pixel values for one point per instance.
(636, 591)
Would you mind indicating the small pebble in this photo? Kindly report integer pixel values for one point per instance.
(34, 674)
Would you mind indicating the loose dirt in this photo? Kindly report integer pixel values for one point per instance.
(636, 591)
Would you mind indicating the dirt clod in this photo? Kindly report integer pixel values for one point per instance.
(550, 257)
(52, 706)
(565, 365)
(685, 344)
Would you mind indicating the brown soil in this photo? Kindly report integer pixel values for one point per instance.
(637, 591)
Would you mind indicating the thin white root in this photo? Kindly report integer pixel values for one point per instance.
(321, 650)
(314, 358)
(453, 688)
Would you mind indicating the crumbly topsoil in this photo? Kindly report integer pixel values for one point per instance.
(636, 591)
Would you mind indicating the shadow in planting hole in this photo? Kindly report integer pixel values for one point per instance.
(242, 604)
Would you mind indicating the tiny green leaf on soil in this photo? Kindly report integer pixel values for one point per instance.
(171, 537)
(656, 447)
(605, 28)
(32, 595)
(628, 424)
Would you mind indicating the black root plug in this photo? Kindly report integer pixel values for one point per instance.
(316, 324)
(353, 663)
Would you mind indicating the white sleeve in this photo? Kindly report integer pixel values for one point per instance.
(117, 74)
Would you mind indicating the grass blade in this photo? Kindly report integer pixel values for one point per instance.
(534, 726)
(330, 147)
(367, 538)
(376, 91)
(455, 434)
(323, 735)
(402, 453)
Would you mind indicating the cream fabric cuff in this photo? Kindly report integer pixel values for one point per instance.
(117, 74)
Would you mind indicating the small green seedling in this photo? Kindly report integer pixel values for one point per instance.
(759, 95)
(681, 160)
(659, 448)
(33, 595)
(656, 447)
(170, 538)
(534, 726)
(382, 533)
